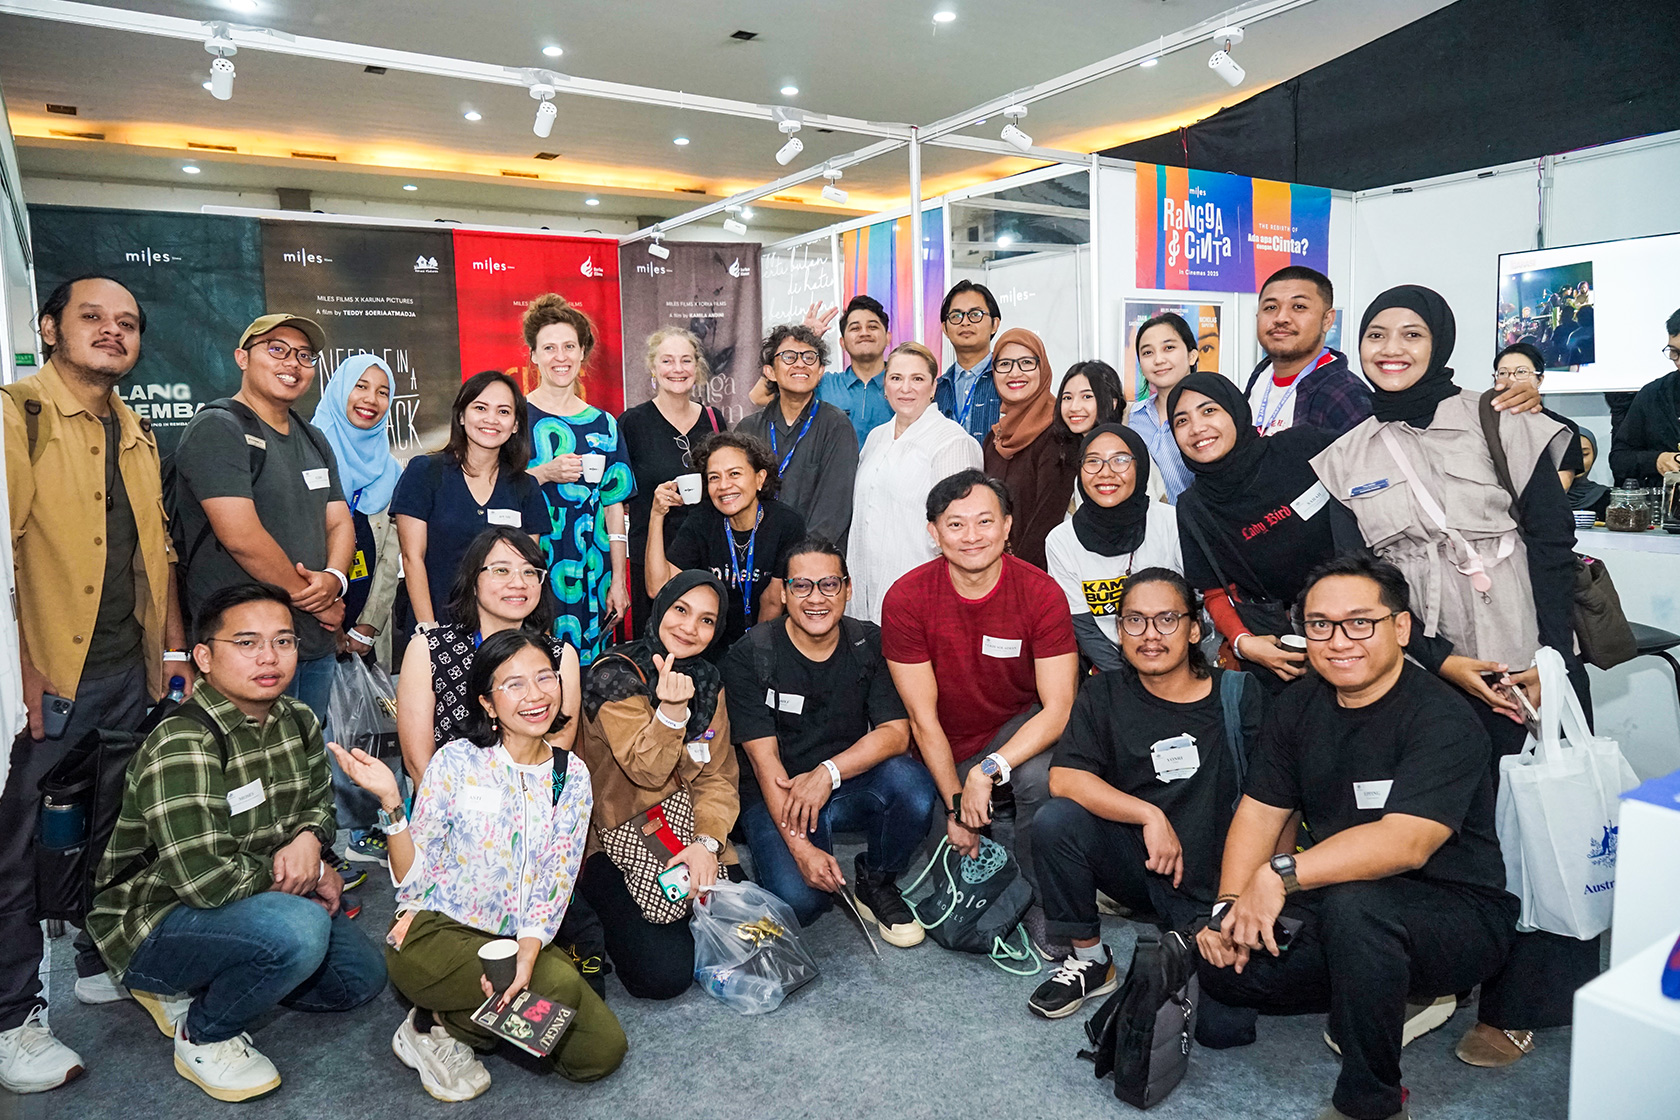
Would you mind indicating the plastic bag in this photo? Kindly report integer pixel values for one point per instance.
(746, 947)
(362, 709)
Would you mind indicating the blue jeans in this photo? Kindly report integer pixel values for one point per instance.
(312, 683)
(239, 960)
(892, 804)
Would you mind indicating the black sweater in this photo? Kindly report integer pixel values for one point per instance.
(1651, 427)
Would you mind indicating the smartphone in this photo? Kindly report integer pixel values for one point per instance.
(674, 881)
(1284, 931)
(55, 715)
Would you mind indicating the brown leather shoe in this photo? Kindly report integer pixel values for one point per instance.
(1492, 1048)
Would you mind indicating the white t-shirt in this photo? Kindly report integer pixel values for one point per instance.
(1093, 583)
(1273, 405)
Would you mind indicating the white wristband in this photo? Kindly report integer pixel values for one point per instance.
(624, 537)
(353, 636)
(1003, 767)
(833, 774)
(396, 826)
(343, 581)
(1236, 643)
(176, 655)
(673, 724)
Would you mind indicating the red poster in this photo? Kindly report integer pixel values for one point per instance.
(497, 275)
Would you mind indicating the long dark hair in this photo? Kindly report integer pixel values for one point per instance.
(480, 729)
(1105, 386)
(463, 593)
(1199, 666)
(512, 456)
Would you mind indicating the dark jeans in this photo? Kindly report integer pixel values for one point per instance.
(1080, 853)
(892, 804)
(240, 960)
(312, 683)
(1363, 950)
(354, 806)
(652, 961)
(1030, 782)
(115, 703)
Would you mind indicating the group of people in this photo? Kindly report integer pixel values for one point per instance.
(981, 595)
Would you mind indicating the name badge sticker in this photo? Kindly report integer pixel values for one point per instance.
(318, 479)
(790, 702)
(1372, 795)
(1311, 502)
(700, 750)
(512, 518)
(246, 797)
(257, 442)
(1000, 647)
(1368, 488)
(481, 799)
(1175, 758)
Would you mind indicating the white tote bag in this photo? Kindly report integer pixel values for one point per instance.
(1559, 803)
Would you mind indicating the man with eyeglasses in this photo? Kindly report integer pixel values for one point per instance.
(1521, 363)
(859, 389)
(812, 702)
(812, 442)
(1646, 444)
(1399, 900)
(213, 887)
(966, 393)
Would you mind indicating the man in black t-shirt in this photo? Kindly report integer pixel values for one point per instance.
(812, 702)
(1401, 894)
(1143, 784)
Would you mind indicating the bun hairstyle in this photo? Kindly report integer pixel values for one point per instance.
(551, 308)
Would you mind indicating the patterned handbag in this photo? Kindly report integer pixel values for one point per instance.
(644, 844)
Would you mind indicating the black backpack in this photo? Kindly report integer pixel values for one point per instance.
(257, 444)
(1142, 1032)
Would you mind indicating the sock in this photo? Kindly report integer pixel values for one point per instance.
(1089, 952)
(423, 1021)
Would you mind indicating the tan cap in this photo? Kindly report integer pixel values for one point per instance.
(310, 328)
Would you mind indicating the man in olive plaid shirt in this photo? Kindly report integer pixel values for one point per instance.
(213, 884)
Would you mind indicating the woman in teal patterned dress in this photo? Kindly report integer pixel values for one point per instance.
(588, 545)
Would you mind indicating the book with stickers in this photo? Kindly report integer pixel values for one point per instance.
(530, 1022)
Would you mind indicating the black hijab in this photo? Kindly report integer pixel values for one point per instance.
(612, 677)
(1118, 530)
(1416, 403)
(1584, 493)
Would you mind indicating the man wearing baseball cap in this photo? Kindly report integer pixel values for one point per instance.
(257, 496)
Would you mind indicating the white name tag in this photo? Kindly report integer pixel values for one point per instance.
(257, 441)
(1000, 647)
(481, 799)
(246, 797)
(1310, 502)
(318, 479)
(509, 517)
(1175, 758)
(1372, 795)
(785, 701)
(700, 750)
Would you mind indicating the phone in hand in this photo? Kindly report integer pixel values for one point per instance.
(675, 882)
(55, 715)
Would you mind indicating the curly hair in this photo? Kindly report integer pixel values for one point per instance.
(547, 310)
(758, 458)
(799, 332)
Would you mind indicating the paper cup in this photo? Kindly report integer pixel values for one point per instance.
(691, 487)
(1293, 642)
(594, 466)
(498, 959)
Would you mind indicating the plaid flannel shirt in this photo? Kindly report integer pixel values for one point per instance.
(1331, 397)
(176, 802)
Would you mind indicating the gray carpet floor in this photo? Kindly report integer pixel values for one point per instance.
(918, 1033)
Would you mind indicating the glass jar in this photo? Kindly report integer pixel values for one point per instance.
(1628, 512)
(1670, 506)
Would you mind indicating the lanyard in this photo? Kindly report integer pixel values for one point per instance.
(738, 577)
(966, 409)
(781, 468)
(1264, 421)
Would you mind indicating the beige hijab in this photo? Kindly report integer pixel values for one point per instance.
(1023, 423)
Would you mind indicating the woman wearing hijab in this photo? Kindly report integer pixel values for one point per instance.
(1115, 531)
(901, 461)
(1021, 450)
(656, 740)
(1584, 493)
(1493, 577)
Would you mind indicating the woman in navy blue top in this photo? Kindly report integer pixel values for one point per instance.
(445, 500)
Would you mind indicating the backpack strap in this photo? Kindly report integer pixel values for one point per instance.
(1496, 449)
(1232, 687)
(27, 399)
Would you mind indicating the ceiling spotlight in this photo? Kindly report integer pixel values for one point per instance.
(1222, 63)
(1148, 62)
(832, 192)
(190, 169)
(746, 213)
(592, 202)
(473, 115)
(546, 110)
(553, 51)
(1005, 241)
(944, 15)
(655, 249)
(410, 187)
(221, 67)
(680, 141)
(790, 91)
(739, 229)
(789, 151)
(1012, 132)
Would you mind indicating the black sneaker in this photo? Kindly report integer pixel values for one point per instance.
(352, 875)
(1072, 984)
(878, 901)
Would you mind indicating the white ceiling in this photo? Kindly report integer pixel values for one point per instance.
(876, 59)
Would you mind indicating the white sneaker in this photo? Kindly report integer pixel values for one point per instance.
(102, 988)
(448, 1068)
(166, 1011)
(231, 1070)
(32, 1060)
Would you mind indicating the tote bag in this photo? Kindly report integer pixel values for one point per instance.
(1559, 804)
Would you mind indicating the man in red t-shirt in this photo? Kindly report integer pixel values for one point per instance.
(981, 648)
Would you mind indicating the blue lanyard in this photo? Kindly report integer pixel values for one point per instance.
(781, 468)
(737, 577)
(967, 407)
(1266, 397)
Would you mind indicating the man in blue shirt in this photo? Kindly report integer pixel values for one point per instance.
(859, 390)
(966, 393)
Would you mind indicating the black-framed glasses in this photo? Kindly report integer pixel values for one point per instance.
(800, 587)
(280, 351)
(1671, 353)
(1009, 365)
(506, 571)
(250, 647)
(797, 357)
(1354, 629)
(972, 315)
(1165, 622)
(1119, 463)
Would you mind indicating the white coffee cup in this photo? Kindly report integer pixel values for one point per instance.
(691, 487)
(594, 466)
(1293, 642)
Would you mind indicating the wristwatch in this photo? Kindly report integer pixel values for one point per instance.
(711, 845)
(995, 767)
(393, 823)
(1284, 865)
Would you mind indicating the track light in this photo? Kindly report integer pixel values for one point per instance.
(221, 67)
(794, 145)
(739, 229)
(832, 192)
(546, 111)
(1012, 131)
(655, 249)
(1222, 63)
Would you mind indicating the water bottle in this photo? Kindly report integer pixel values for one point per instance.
(739, 989)
(62, 824)
(177, 689)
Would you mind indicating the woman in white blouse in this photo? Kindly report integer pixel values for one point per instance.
(901, 461)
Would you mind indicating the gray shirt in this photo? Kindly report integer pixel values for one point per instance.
(822, 467)
(291, 494)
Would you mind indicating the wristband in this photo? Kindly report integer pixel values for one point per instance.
(1003, 767)
(176, 655)
(1236, 642)
(833, 774)
(355, 637)
(674, 725)
(396, 826)
(425, 627)
(624, 537)
(343, 581)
